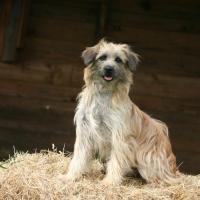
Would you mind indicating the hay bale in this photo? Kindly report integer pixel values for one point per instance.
(34, 176)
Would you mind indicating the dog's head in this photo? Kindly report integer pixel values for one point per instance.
(110, 63)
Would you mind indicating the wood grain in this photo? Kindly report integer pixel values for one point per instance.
(38, 92)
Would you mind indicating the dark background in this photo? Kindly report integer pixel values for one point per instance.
(41, 69)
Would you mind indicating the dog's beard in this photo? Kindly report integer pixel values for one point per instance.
(113, 86)
(95, 77)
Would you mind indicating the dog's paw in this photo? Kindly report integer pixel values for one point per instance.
(111, 181)
(65, 178)
(62, 178)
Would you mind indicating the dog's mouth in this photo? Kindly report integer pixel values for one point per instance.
(107, 77)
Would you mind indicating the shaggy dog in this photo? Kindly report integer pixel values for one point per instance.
(109, 125)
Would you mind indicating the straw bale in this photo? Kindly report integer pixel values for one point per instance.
(35, 176)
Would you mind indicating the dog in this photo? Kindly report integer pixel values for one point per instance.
(110, 126)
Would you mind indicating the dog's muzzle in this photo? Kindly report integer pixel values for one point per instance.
(108, 73)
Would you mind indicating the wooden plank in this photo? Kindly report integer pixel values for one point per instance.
(11, 31)
(102, 19)
(188, 161)
(169, 9)
(174, 9)
(169, 63)
(60, 29)
(187, 143)
(1, 6)
(78, 11)
(23, 22)
(69, 48)
(43, 122)
(33, 128)
(39, 71)
(37, 91)
(174, 42)
(4, 17)
(53, 50)
(32, 141)
(30, 128)
(151, 22)
(155, 103)
(167, 86)
(39, 105)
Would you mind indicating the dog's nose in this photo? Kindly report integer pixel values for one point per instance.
(109, 69)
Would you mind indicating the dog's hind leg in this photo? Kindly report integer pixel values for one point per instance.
(155, 160)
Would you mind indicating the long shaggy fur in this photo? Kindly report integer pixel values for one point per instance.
(111, 127)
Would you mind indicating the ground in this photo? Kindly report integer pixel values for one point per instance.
(34, 176)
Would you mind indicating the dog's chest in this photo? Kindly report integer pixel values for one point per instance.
(100, 111)
(98, 115)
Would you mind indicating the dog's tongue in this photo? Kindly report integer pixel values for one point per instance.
(108, 78)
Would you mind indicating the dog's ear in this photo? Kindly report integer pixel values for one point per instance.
(89, 55)
(132, 58)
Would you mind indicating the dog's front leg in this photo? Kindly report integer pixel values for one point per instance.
(81, 158)
(117, 165)
(114, 173)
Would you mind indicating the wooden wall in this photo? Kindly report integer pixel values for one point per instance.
(38, 91)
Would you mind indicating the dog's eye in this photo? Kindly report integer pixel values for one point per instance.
(103, 57)
(118, 60)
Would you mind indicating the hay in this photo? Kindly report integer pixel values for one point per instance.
(34, 176)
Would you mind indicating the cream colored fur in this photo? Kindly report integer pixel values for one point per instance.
(110, 125)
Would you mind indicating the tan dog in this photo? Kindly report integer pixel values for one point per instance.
(110, 125)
